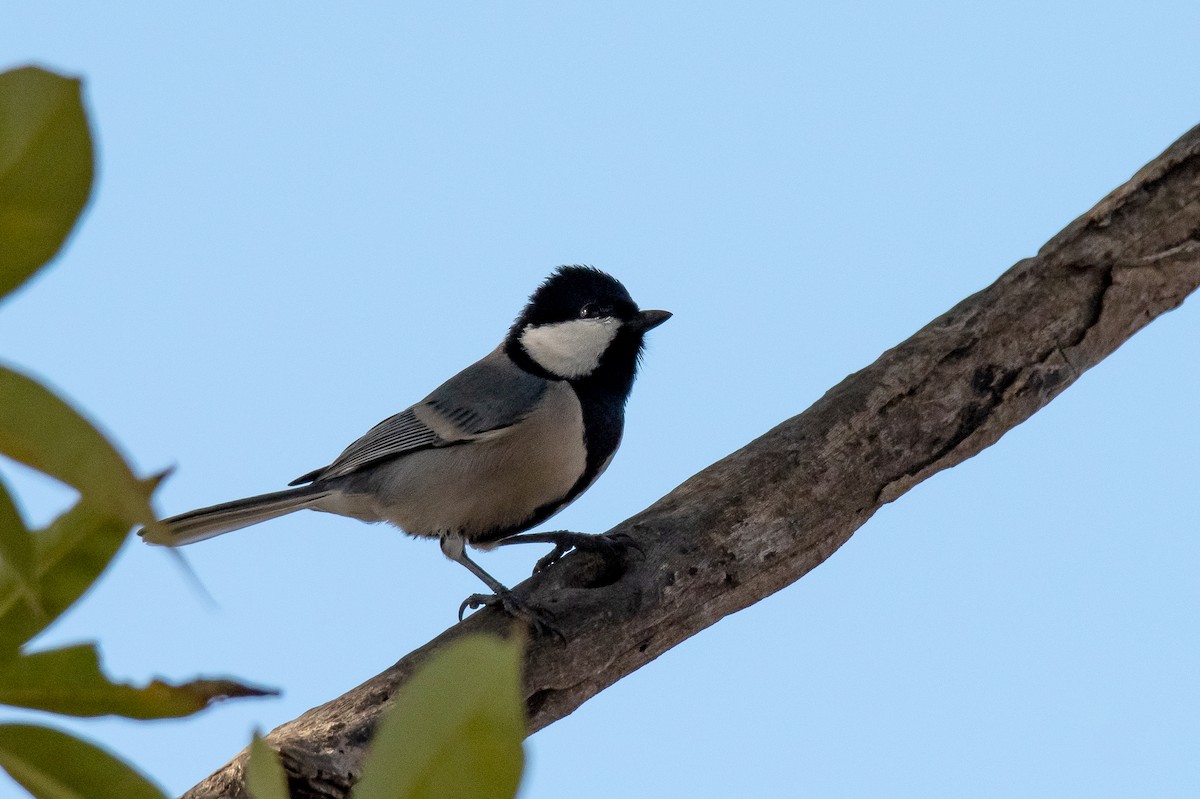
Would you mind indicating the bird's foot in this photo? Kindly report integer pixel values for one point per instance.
(613, 547)
(541, 622)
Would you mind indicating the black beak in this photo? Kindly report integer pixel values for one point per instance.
(648, 320)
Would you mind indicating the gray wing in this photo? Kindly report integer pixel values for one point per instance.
(488, 395)
(397, 434)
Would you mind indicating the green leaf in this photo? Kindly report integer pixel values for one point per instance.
(70, 681)
(265, 778)
(45, 169)
(40, 430)
(68, 557)
(454, 730)
(53, 765)
(16, 547)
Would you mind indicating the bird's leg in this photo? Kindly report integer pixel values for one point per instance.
(453, 547)
(612, 547)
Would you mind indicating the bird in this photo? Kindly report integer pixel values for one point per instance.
(492, 452)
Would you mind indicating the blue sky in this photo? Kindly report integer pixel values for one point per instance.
(308, 215)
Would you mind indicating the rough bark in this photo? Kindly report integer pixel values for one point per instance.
(762, 517)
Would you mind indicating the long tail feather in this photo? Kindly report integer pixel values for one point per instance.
(197, 525)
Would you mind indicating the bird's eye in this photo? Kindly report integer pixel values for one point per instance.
(593, 311)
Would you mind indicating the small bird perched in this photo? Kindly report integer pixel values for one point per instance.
(495, 450)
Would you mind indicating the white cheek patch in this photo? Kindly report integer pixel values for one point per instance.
(570, 349)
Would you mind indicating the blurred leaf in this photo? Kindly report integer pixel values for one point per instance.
(454, 730)
(45, 169)
(53, 765)
(40, 430)
(70, 681)
(68, 557)
(16, 548)
(265, 778)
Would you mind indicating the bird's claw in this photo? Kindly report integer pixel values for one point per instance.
(623, 542)
(539, 620)
(610, 546)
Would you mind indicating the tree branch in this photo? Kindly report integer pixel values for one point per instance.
(764, 516)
